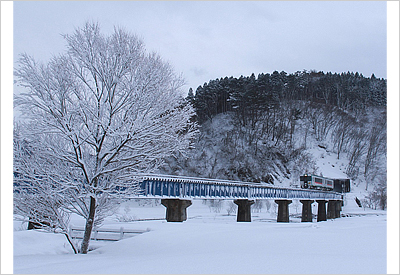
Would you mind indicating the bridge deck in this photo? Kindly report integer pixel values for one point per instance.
(163, 186)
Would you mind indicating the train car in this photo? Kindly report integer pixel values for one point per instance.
(316, 182)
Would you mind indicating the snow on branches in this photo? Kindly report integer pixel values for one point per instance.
(101, 113)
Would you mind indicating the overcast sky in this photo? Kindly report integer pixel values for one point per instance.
(209, 40)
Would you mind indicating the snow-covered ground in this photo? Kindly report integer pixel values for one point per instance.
(210, 242)
(213, 242)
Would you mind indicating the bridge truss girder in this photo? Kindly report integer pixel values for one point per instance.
(163, 188)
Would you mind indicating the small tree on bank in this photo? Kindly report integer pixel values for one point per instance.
(100, 114)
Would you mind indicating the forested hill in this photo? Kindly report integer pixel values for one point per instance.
(277, 126)
(347, 91)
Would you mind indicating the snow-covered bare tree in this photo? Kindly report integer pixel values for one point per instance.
(356, 150)
(376, 149)
(341, 131)
(37, 197)
(101, 113)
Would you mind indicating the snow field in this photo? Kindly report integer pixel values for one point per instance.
(210, 242)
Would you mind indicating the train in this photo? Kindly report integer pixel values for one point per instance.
(309, 181)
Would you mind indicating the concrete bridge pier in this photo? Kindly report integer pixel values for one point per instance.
(338, 208)
(306, 214)
(321, 210)
(244, 211)
(283, 210)
(176, 209)
(331, 213)
(334, 208)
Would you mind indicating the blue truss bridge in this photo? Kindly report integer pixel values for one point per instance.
(176, 193)
(167, 186)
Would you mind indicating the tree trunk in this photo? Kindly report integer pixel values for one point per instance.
(89, 226)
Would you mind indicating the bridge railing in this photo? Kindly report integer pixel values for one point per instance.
(185, 187)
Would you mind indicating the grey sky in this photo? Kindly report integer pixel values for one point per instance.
(208, 40)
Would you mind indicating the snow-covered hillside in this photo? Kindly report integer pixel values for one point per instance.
(222, 152)
(213, 242)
